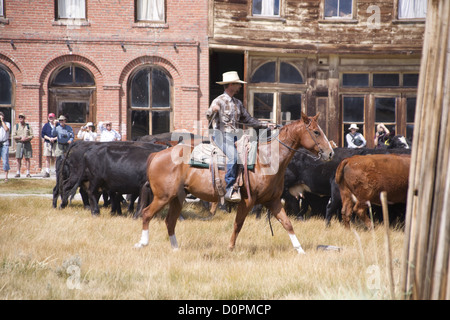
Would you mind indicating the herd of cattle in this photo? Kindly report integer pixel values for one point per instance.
(348, 183)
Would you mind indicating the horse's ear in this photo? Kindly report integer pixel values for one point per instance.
(305, 118)
(316, 116)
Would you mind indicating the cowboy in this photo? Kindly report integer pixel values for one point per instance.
(107, 133)
(225, 115)
(354, 138)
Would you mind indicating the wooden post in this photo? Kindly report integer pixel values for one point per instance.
(425, 262)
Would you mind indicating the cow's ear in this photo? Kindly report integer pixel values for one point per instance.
(305, 118)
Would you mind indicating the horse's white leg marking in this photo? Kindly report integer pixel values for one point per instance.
(144, 240)
(173, 242)
(296, 244)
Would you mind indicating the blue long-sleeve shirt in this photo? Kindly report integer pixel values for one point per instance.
(47, 131)
(64, 134)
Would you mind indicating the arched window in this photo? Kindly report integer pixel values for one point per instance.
(6, 95)
(72, 94)
(150, 99)
(276, 89)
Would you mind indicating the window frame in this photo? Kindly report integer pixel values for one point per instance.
(10, 106)
(150, 109)
(276, 87)
(57, 18)
(150, 22)
(337, 18)
(405, 20)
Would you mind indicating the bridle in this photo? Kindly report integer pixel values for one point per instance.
(307, 126)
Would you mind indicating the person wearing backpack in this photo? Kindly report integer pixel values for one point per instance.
(23, 136)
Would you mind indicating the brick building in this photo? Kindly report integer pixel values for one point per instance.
(141, 64)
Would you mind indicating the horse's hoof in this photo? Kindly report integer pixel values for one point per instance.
(139, 245)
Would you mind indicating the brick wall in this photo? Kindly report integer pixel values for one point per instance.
(40, 48)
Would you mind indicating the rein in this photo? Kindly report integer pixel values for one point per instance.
(296, 150)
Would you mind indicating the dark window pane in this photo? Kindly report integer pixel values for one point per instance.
(410, 79)
(291, 105)
(83, 77)
(289, 74)
(263, 105)
(5, 87)
(160, 122)
(386, 80)
(355, 80)
(345, 8)
(265, 73)
(410, 109)
(74, 111)
(65, 76)
(331, 8)
(160, 89)
(139, 123)
(257, 5)
(409, 131)
(353, 109)
(384, 110)
(276, 9)
(140, 89)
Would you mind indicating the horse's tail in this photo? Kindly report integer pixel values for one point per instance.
(340, 172)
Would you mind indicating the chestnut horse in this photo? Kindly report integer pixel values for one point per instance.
(171, 179)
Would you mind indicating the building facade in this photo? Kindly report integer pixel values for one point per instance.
(353, 61)
(151, 66)
(142, 64)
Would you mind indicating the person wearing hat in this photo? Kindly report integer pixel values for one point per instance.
(225, 115)
(381, 136)
(5, 129)
(49, 143)
(354, 138)
(64, 135)
(23, 136)
(87, 132)
(107, 133)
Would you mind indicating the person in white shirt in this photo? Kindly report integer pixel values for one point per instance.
(354, 138)
(87, 132)
(107, 133)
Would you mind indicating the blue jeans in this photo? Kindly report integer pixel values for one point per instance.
(225, 141)
(5, 157)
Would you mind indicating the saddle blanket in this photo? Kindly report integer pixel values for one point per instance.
(202, 154)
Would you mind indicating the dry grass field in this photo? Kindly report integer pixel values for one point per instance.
(47, 253)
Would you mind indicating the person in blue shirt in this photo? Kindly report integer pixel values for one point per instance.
(64, 135)
(49, 143)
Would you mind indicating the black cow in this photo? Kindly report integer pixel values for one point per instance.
(118, 167)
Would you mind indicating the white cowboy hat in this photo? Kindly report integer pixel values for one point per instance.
(353, 126)
(230, 77)
(89, 124)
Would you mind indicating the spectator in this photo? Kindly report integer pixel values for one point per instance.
(354, 138)
(87, 132)
(107, 133)
(381, 136)
(5, 129)
(23, 136)
(64, 135)
(49, 143)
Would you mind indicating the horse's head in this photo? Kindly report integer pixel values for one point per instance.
(313, 138)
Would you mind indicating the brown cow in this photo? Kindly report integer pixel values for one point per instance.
(361, 179)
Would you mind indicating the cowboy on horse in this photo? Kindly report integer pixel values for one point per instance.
(225, 115)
